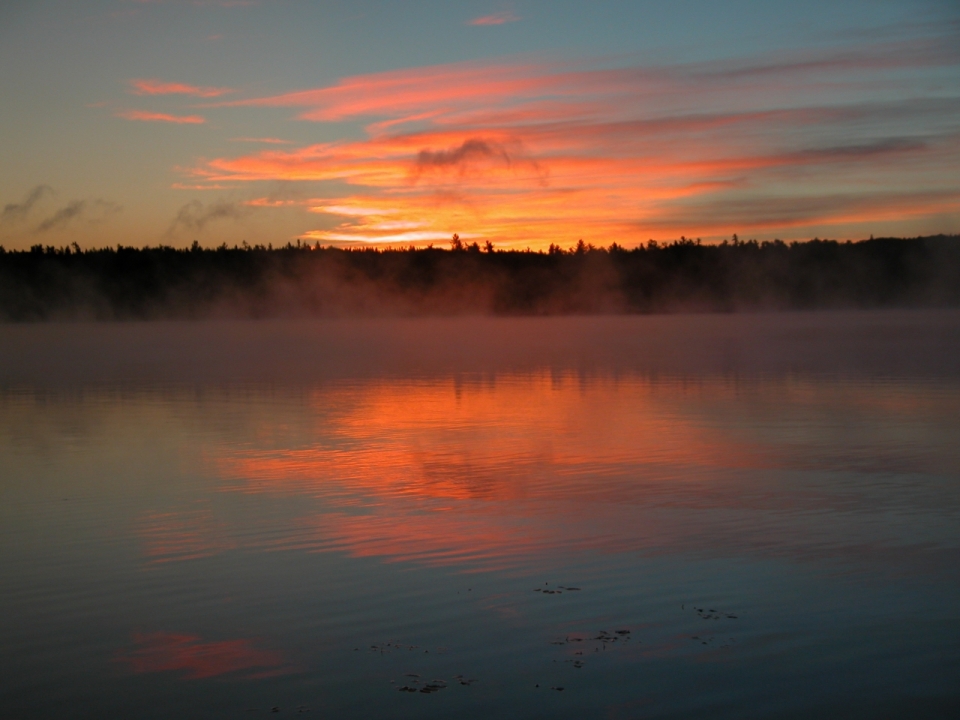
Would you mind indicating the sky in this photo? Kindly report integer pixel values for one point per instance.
(399, 122)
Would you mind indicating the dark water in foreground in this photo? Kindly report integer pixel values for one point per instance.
(761, 515)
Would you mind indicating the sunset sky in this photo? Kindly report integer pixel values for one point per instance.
(526, 123)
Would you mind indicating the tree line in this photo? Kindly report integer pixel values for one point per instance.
(48, 283)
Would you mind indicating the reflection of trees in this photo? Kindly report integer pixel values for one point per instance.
(47, 282)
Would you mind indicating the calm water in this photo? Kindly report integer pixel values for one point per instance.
(761, 516)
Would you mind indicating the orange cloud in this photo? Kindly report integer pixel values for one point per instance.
(159, 87)
(537, 153)
(147, 116)
(197, 186)
(500, 18)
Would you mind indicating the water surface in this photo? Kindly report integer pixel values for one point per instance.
(696, 516)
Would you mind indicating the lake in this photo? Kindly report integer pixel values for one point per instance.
(724, 516)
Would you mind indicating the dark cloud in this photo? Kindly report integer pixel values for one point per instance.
(195, 215)
(936, 51)
(14, 212)
(472, 152)
(885, 146)
(63, 216)
(937, 113)
(93, 210)
(728, 210)
(469, 151)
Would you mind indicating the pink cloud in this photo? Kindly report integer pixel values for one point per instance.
(146, 116)
(159, 87)
(395, 93)
(500, 18)
(540, 152)
(264, 140)
(441, 92)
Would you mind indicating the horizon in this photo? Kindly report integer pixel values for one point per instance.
(456, 244)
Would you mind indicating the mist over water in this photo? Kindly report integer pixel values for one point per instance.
(687, 516)
(127, 283)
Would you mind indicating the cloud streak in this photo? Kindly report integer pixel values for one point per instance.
(159, 87)
(500, 18)
(94, 211)
(147, 116)
(17, 212)
(263, 140)
(62, 216)
(195, 216)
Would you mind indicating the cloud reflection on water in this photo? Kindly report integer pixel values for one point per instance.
(522, 469)
(199, 660)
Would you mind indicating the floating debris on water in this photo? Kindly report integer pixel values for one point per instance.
(390, 646)
(712, 613)
(558, 591)
(416, 685)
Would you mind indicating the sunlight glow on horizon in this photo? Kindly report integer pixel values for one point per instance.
(524, 148)
(536, 153)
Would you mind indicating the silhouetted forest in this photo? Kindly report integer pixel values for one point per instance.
(47, 283)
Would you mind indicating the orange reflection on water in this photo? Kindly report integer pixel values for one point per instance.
(500, 472)
(513, 439)
(197, 660)
(447, 472)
